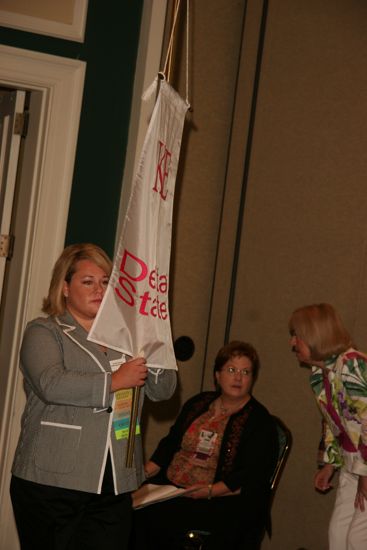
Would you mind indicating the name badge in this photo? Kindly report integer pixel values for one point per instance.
(206, 444)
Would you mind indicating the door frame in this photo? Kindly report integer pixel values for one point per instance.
(13, 105)
(57, 84)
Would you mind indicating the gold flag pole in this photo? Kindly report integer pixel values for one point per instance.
(169, 56)
(137, 390)
(132, 427)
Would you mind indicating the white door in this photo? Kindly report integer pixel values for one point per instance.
(54, 87)
(11, 113)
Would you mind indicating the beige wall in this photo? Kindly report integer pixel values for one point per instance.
(303, 232)
(199, 190)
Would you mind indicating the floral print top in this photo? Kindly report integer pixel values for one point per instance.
(341, 393)
(197, 459)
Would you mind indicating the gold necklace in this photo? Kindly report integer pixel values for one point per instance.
(222, 408)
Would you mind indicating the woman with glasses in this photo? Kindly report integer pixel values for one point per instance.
(222, 448)
(339, 381)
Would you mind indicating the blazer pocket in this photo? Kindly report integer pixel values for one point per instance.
(57, 447)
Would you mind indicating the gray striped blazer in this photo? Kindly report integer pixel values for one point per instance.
(66, 429)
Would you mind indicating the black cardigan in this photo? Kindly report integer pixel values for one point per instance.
(249, 449)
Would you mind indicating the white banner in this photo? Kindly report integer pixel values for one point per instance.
(134, 315)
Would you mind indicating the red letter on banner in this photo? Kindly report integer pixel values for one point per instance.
(128, 293)
(164, 161)
(143, 267)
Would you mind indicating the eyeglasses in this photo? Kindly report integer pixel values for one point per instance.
(242, 372)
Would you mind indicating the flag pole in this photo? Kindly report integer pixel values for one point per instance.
(160, 153)
(132, 427)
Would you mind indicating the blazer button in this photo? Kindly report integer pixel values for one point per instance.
(109, 410)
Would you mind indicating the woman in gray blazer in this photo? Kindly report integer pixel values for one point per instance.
(70, 487)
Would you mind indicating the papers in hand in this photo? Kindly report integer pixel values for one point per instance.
(149, 494)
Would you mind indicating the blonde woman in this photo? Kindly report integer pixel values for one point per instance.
(339, 381)
(70, 488)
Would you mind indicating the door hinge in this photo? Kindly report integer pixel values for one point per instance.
(6, 246)
(21, 124)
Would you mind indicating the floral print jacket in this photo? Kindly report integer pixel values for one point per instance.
(341, 393)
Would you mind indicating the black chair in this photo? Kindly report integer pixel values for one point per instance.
(196, 539)
(285, 442)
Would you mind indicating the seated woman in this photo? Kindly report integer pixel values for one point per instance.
(223, 447)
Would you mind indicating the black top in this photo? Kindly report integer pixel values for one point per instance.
(249, 448)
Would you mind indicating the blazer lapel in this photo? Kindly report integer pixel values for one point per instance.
(78, 335)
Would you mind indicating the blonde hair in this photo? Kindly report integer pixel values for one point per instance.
(321, 328)
(64, 269)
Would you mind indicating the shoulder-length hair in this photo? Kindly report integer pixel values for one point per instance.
(321, 328)
(64, 269)
(237, 348)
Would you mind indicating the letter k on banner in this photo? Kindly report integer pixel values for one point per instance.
(134, 315)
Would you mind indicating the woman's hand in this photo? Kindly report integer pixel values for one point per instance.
(151, 468)
(323, 477)
(218, 489)
(199, 491)
(130, 374)
(361, 495)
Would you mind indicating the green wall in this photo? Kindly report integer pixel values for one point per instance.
(110, 50)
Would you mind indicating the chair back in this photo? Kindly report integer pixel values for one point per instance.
(285, 442)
